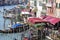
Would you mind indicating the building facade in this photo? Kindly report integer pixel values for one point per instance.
(50, 5)
(39, 8)
(8, 2)
(45, 7)
(11, 1)
(36, 4)
(57, 8)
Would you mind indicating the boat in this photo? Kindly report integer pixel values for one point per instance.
(17, 28)
(8, 16)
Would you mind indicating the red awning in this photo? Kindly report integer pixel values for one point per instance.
(34, 20)
(48, 18)
(52, 20)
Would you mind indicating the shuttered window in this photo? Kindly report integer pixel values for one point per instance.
(46, 1)
(35, 3)
(57, 5)
(40, 3)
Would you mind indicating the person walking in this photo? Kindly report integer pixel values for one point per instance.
(14, 38)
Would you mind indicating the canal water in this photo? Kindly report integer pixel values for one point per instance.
(1, 16)
(7, 36)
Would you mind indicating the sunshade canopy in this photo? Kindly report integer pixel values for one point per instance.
(52, 20)
(17, 25)
(34, 20)
(39, 25)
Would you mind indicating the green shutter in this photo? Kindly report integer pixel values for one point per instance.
(59, 5)
(56, 5)
(46, 1)
(35, 3)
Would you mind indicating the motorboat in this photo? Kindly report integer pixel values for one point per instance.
(16, 28)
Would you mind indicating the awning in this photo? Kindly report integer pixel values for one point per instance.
(45, 16)
(52, 20)
(48, 18)
(34, 20)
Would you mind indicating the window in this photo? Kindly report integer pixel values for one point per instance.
(40, 4)
(35, 3)
(54, 0)
(57, 5)
(46, 1)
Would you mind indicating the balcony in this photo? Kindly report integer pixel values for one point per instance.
(44, 2)
(48, 5)
(43, 11)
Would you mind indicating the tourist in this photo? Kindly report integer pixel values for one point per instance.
(9, 26)
(39, 33)
(30, 34)
(58, 32)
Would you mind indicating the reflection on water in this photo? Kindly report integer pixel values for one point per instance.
(10, 36)
(7, 36)
(1, 16)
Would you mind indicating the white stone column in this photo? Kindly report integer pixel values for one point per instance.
(57, 13)
(39, 9)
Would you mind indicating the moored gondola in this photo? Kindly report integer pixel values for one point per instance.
(16, 29)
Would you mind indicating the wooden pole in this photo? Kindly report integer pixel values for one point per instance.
(3, 15)
(11, 21)
(4, 23)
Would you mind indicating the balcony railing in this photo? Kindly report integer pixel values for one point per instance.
(49, 5)
(44, 2)
(43, 11)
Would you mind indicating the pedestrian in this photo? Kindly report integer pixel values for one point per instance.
(40, 32)
(58, 32)
(22, 36)
(9, 26)
(30, 34)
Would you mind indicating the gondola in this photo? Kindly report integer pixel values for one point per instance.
(17, 29)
